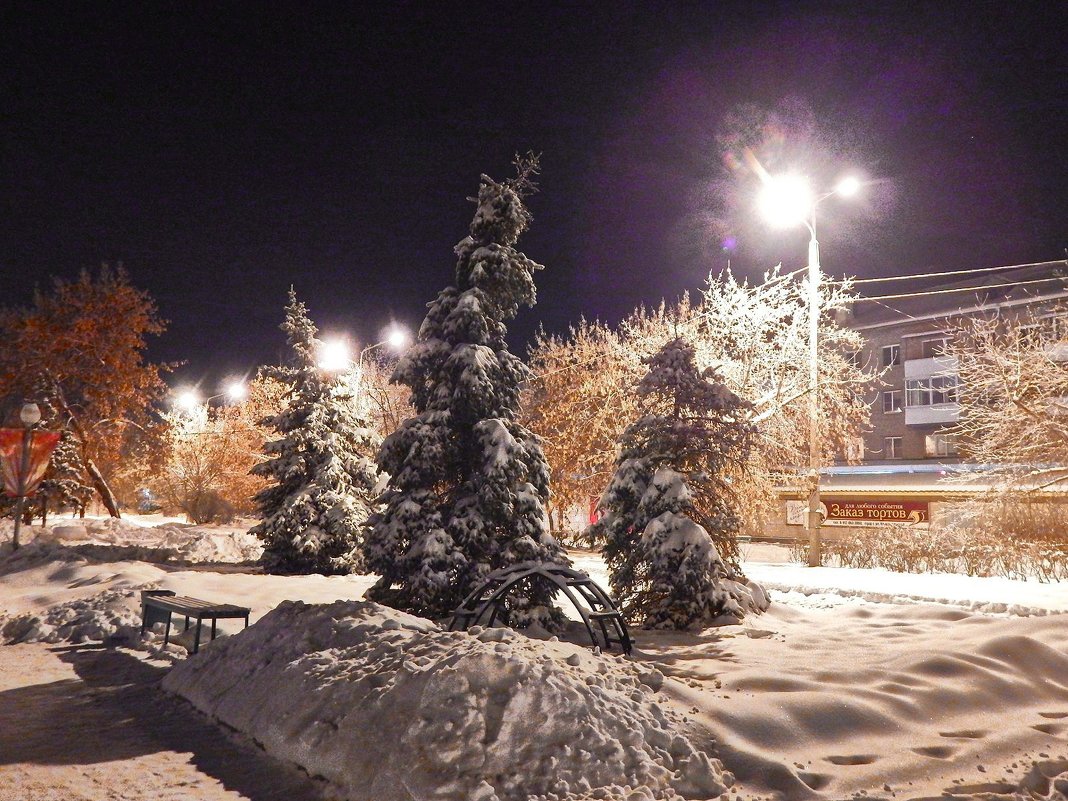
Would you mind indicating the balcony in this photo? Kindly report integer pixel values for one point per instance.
(931, 391)
(932, 415)
(925, 368)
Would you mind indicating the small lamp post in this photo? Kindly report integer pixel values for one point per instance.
(788, 200)
(30, 416)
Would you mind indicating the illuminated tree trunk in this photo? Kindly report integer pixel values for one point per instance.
(107, 497)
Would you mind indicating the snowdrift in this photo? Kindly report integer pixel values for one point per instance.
(386, 706)
(111, 538)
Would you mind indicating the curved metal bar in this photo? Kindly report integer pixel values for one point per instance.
(584, 593)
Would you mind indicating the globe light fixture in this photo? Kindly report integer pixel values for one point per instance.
(786, 200)
(187, 400)
(30, 414)
(335, 356)
(848, 186)
(397, 338)
(237, 391)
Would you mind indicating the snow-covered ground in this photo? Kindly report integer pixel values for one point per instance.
(856, 683)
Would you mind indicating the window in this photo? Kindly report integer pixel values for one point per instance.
(941, 445)
(935, 347)
(892, 447)
(892, 401)
(891, 355)
(930, 391)
(855, 449)
(853, 358)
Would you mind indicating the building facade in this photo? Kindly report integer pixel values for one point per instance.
(915, 407)
(906, 468)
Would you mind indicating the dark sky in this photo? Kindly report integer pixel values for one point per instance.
(224, 151)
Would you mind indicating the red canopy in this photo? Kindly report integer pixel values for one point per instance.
(42, 443)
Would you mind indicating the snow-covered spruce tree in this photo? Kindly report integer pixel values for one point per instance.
(321, 469)
(65, 485)
(467, 483)
(668, 512)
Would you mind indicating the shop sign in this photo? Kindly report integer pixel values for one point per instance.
(865, 512)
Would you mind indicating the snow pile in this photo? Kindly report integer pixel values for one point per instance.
(196, 544)
(385, 705)
(108, 538)
(112, 614)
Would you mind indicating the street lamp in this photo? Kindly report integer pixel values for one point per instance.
(788, 200)
(396, 338)
(334, 356)
(237, 391)
(189, 400)
(30, 416)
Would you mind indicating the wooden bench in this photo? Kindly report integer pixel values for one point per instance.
(158, 606)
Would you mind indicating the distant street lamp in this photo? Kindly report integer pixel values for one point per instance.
(30, 415)
(789, 200)
(189, 400)
(335, 356)
(397, 339)
(237, 391)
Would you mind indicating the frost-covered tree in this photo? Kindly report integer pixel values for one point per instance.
(669, 516)
(80, 349)
(468, 483)
(756, 336)
(320, 468)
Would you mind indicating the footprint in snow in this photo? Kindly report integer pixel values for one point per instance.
(965, 734)
(816, 781)
(935, 751)
(851, 759)
(1050, 728)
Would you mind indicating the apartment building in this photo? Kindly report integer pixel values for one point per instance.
(915, 408)
(909, 470)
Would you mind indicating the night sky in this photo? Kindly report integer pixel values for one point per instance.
(223, 152)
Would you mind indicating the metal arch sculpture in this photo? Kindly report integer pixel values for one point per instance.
(488, 599)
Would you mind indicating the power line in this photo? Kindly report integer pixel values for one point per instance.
(975, 289)
(955, 272)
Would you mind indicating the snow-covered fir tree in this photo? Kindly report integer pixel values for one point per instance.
(467, 483)
(65, 485)
(321, 468)
(669, 503)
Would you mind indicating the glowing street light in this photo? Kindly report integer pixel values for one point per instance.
(397, 338)
(335, 356)
(237, 391)
(788, 200)
(187, 400)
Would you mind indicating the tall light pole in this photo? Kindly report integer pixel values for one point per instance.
(30, 416)
(788, 200)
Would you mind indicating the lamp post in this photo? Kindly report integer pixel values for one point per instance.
(189, 400)
(397, 338)
(788, 200)
(335, 355)
(30, 416)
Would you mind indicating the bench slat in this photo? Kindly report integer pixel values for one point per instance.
(195, 607)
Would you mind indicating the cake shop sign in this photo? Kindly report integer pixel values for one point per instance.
(863, 512)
